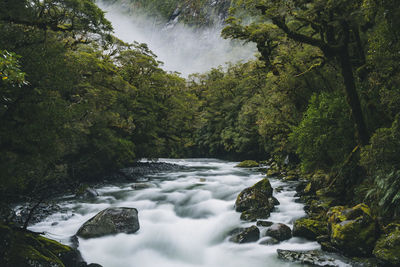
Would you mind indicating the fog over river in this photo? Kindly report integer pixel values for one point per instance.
(181, 48)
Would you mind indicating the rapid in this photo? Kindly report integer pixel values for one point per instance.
(185, 219)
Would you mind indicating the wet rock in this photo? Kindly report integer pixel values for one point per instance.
(264, 223)
(90, 193)
(279, 231)
(138, 186)
(273, 201)
(86, 192)
(309, 228)
(387, 247)
(255, 197)
(24, 248)
(246, 235)
(140, 169)
(322, 238)
(279, 189)
(309, 189)
(254, 214)
(300, 188)
(41, 212)
(273, 173)
(248, 164)
(269, 241)
(319, 208)
(312, 257)
(329, 247)
(292, 175)
(352, 230)
(111, 221)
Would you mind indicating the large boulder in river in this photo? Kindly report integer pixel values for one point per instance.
(110, 221)
(279, 231)
(255, 197)
(387, 248)
(352, 230)
(246, 235)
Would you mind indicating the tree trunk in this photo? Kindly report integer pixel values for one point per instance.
(352, 97)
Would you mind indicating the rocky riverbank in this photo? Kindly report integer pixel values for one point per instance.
(21, 247)
(353, 231)
(24, 248)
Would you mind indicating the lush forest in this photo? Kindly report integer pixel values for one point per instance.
(322, 99)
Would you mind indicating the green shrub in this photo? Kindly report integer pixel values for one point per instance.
(326, 134)
(382, 162)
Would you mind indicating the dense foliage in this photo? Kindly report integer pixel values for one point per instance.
(77, 103)
(353, 46)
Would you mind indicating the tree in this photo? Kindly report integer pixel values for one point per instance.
(334, 27)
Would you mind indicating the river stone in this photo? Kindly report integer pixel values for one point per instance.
(255, 197)
(352, 230)
(309, 228)
(246, 235)
(110, 221)
(86, 192)
(273, 201)
(253, 214)
(264, 223)
(279, 231)
(269, 241)
(312, 257)
(138, 186)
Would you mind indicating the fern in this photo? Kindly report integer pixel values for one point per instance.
(386, 192)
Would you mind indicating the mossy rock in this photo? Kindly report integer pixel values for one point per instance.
(309, 228)
(317, 208)
(254, 214)
(248, 164)
(272, 172)
(24, 248)
(255, 197)
(309, 189)
(352, 230)
(387, 248)
(264, 223)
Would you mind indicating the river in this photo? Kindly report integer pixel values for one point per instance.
(185, 218)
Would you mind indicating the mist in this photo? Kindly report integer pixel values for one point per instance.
(180, 48)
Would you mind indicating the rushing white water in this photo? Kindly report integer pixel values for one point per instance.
(184, 220)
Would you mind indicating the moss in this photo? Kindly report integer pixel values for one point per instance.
(309, 228)
(24, 248)
(335, 214)
(254, 214)
(352, 230)
(248, 164)
(308, 189)
(388, 248)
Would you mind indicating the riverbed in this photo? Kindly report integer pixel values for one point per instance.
(185, 218)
